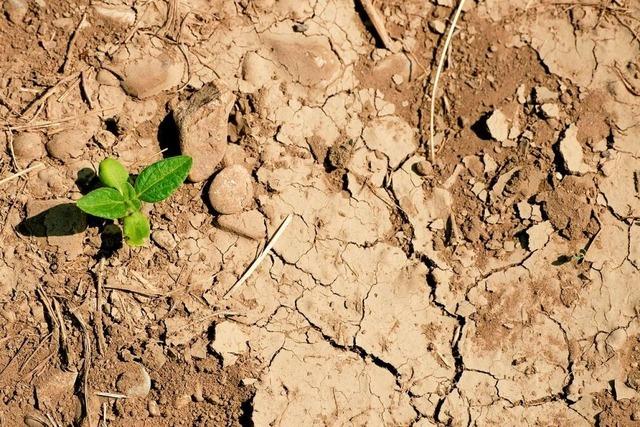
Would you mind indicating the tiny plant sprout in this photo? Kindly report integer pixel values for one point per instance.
(120, 200)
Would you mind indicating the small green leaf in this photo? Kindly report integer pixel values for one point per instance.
(136, 228)
(161, 179)
(131, 198)
(105, 203)
(113, 174)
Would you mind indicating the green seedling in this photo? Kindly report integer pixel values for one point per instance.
(122, 200)
(577, 258)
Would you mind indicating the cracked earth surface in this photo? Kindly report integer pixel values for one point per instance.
(495, 286)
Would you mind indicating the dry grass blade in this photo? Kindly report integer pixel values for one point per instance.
(11, 150)
(72, 43)
(98, 311)
(262, 255)
(432, 153)
(22, 172)
(86, 364)
(110, 395)
(134, 290)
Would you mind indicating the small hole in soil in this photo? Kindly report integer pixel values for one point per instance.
(246, 412)
(480, 127)
(168, 136)
(112, 126)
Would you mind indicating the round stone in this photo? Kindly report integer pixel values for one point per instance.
(231, 190)
(28, 147)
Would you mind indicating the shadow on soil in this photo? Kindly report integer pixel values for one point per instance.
(66, 219)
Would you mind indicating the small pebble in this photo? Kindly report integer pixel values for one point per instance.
(550, 111)
(182, 401)
(28, 147)
(423, 168)
(437, 26)
(16, 10)
(68, 144)
(197, 393)
(498, 126)
(154, 409)
(231, 190)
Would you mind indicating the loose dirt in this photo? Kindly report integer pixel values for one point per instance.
(495, 286)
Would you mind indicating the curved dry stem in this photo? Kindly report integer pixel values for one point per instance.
(447, 42)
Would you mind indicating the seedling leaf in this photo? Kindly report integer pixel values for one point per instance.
(131, 198)
(105, 203)
(161, 179)
(136, 228)
(113, 174)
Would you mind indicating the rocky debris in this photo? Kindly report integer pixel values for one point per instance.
(437, 26)
(236, 155)
(524, 210)
(498, 126)
(164, 239)
(247, 224)
(119, 14)
(182, 401)
(153, 408)
(149, 75)
(134, 381)
(396, 67)
(423, 168)
(15, 10)
(68, 144)
(53, 387)
(202, 128)
(28, 147)
(550, 111)
(392, 136)
(621, 391)
(538, 235)
(543, 95)
(107, 78)
(571, 152)
(230, 342)
(231, 190)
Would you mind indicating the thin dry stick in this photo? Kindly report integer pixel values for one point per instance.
(133, 290)
(38, 103)
(432, 153)
(72, 43)
(262, 255)
(22, 172)
(12, 151)
(85, 89)
(377, 21)
(98, 312)
(110, 395)
(86, 364)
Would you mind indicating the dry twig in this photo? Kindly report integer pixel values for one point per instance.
(378, 23)
(22, 172)
(72, 43)
(262, 255)
(443, 55)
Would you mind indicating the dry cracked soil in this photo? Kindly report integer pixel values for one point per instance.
(496, 284)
